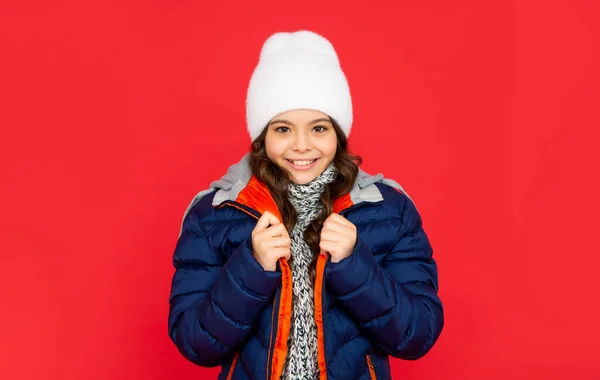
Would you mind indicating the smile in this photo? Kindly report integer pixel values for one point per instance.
(302, 164)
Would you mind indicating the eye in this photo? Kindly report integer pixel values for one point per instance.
(320, 128)
(282, 129)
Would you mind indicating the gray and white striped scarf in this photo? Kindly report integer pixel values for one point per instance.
(302, 358)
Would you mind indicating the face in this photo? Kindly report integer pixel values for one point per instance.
(301, 142)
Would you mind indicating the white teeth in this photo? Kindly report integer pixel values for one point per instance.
(302, 163)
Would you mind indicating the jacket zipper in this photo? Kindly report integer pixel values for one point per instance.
(232, 368)
(371, 365)
(269, 354)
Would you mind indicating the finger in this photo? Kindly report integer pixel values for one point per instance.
(277, 230)
(272, 218)
(267, 219)
(282, 253)
(274, 243)
(331, 236)
(280, 242)
(336, 225)
(328, 246)
(335, 215)
(336, 219)
(339, 229)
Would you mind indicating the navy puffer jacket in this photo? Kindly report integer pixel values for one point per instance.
(381, 301)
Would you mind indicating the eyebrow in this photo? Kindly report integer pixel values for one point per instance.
(290, 123)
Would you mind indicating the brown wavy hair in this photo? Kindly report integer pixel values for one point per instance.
(277, 180)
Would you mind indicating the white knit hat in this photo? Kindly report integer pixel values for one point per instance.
(299, 70)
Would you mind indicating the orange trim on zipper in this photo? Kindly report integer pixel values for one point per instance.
(321, 261)
(371, 367)
(270, 338)
(233, 362)
(284, 318)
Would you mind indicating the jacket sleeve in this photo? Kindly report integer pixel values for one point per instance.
(395, 303)
(213, 306)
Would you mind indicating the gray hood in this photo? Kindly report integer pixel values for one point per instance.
(238, 175)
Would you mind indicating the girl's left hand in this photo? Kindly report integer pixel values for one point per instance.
(338, 237)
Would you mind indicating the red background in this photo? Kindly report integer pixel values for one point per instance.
(114, 114)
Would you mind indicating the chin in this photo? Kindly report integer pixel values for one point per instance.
(299, 177)
(303, 180)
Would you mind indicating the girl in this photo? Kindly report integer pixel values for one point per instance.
(297, 264)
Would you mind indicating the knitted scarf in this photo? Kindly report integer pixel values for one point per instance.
(302, 358)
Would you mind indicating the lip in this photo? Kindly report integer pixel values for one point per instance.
(304, 167)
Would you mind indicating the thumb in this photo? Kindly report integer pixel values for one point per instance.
(265, 220)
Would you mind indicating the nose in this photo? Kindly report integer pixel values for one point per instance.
(302, 143)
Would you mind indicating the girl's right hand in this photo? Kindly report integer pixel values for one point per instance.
(269, 244)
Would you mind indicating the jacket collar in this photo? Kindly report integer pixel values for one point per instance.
(239, 186)
(239, 177)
